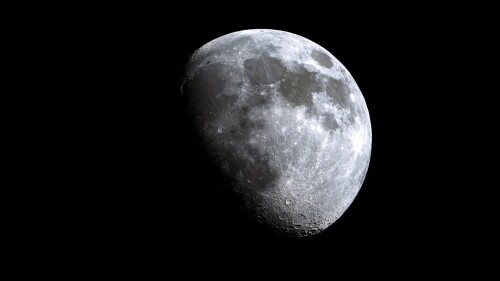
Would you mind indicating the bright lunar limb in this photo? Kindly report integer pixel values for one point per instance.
(284, 121)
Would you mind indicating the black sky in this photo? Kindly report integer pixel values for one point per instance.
(152, 193)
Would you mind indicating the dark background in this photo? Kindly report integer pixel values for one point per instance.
(145, 192)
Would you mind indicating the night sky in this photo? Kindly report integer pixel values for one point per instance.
(153, 195)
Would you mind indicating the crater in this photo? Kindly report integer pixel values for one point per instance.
(322, 59)
(241, 42)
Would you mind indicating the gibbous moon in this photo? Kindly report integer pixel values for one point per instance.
(286, 124)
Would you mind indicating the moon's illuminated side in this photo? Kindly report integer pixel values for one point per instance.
(285, 121)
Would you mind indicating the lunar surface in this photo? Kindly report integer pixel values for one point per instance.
(285, 122)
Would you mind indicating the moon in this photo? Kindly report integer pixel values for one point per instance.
(285, 123)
